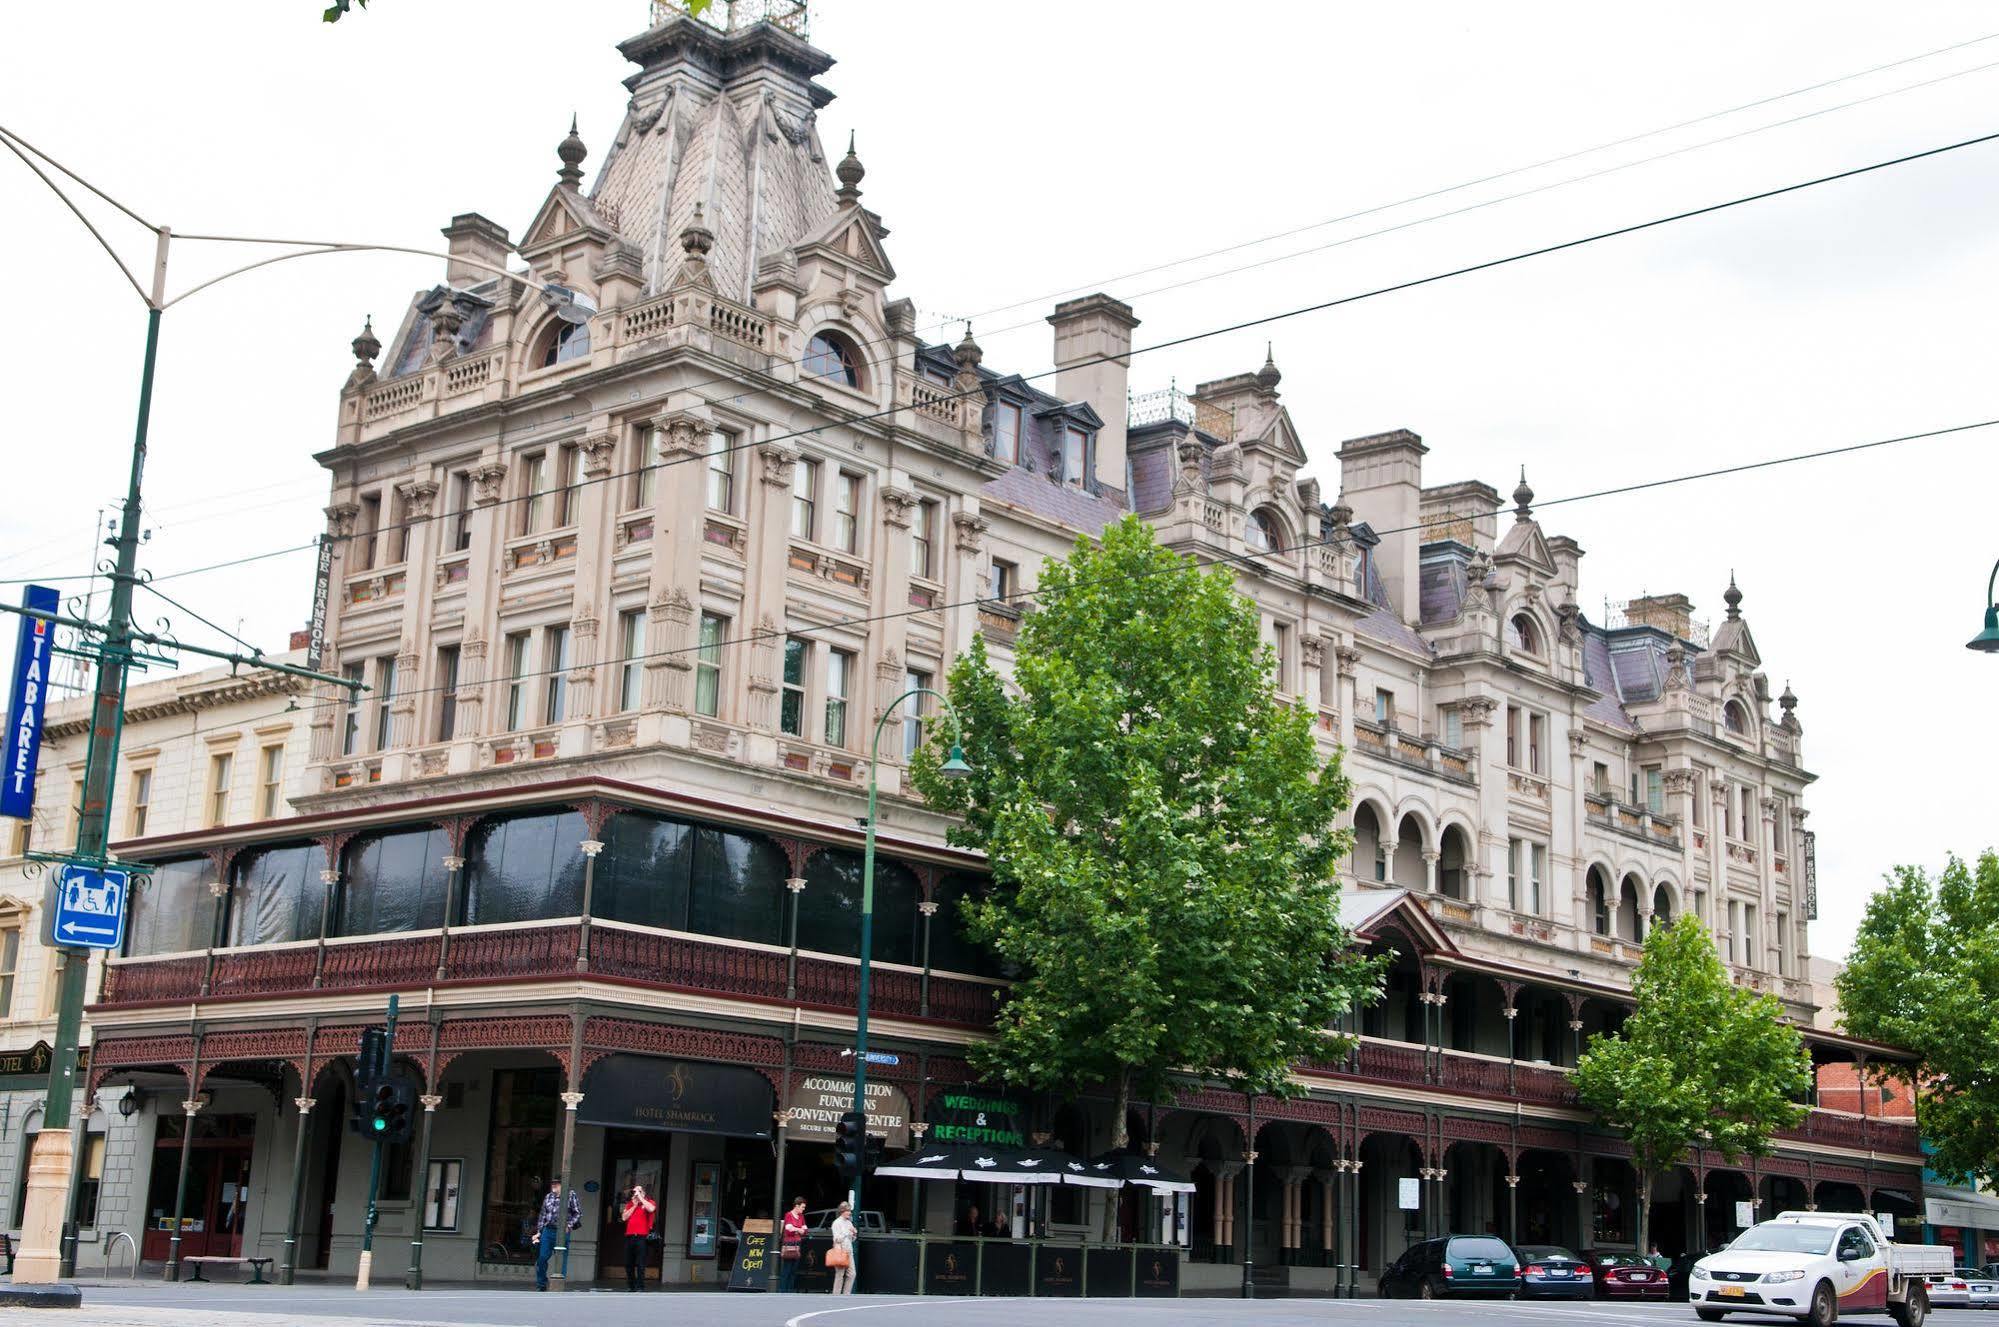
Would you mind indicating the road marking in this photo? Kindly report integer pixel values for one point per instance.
(856, 1308)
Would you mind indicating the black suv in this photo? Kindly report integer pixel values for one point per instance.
(1454, 1265)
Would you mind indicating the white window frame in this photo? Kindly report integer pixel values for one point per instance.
(712, 630)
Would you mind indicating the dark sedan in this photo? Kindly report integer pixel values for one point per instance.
(1626, 1276)
(1454, 1265)
(1549, 1272)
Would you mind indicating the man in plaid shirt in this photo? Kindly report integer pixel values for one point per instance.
(545, 1226)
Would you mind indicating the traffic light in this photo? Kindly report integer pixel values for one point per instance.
(871, 1154)
(371, 1069)
(389, 1111)
(850, 1142)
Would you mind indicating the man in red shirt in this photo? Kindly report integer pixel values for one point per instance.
(637, 1212)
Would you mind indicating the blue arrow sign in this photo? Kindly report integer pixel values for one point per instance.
(89, 910)
(882, 1057)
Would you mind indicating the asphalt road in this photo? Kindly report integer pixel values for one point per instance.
(155, 1304)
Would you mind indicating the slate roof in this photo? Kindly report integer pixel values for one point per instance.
(1441, 582)
(1086, 511)
(1384, 624)
(1601, 676)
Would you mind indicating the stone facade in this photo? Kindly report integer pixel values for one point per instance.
(646, 540)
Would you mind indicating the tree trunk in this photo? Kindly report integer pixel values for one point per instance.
(1120, 1139)
(1644, 1211)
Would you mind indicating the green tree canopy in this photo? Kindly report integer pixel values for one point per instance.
(1924, 975)
(1161, 834)
(1701, 1062)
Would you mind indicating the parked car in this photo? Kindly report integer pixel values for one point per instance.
(1981, 1291)
(1948, 1290)
(1454, 1265)
(866, 1221)
(1626, 1276)
(1551, 1272)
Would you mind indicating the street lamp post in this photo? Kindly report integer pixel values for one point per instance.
(1987, 641)
(954, 767)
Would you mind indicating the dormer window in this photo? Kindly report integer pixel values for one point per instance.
(1735, 718)
(564, 342)
(1075, 456)
(829, 355)
(1261, 533)
(1006, 432)
(1525, 639)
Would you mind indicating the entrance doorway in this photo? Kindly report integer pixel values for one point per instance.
(218, 1186)
(322, 1178)
(632, 1156)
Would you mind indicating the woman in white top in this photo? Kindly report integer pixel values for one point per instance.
(846, 1237)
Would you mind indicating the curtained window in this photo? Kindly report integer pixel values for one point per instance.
(525, 868)
(393, 882)
(277, 895)
(172, 912)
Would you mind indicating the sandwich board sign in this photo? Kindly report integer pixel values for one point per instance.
(89, 908)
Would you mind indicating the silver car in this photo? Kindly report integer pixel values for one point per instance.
(1981, 1291)
(1948, 1290)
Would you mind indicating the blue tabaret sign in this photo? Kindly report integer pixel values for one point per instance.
(21, 745)
(90, 907)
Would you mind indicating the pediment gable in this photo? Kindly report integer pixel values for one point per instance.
(853, 237)
(1280, 437)
(1525, 545)
(564, 216)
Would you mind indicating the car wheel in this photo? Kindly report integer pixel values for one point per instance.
(1912, 1311)
(1825, 1309)
(1709, 1315)
(1426, 1290)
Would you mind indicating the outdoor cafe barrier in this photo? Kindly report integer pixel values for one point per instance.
(910, 1264)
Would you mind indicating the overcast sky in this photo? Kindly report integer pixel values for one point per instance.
(1021, 150)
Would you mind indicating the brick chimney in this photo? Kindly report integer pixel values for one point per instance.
(1092, 363)
(1671, 613)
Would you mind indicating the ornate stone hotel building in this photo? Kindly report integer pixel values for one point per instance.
(630, 556)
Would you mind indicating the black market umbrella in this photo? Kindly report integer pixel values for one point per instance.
(930, 1163)
(1025, 1165)
(1142, 1172)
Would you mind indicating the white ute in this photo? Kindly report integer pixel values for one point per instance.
(1817, 1266)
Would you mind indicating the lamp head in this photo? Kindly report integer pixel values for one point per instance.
(1987, 641)
(955, 766)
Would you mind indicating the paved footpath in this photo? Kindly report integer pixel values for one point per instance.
(155, 1304)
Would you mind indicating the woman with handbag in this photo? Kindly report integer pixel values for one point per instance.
(791, 1246)
(841, 1257)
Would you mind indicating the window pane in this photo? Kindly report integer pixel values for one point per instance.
(394, 882)
(738, 887)
(277, 896)
(951, 949)
(172, 912)
(830, 908)
(1006, 433)
(708, 666)
(721, 471)
(556, 694)
(804, 484)
(791, 710)
(526, 868)
(643, 870)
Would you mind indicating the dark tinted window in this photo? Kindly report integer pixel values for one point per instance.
(393, 882)
(526, 868)
(1547, 1253)
(642, 874)
(738, 887)
(951, 950)
(829, 911)
(1478, 1247)
(683, 877)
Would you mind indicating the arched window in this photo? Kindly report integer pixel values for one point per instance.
(830, 355)
(1599, 902)
(393, 881)
(1525, 638)
(278, 895)
(525, 868)
(563, 342)
(829, 911)
(1735, 718)
(1262, 533)
(1662, 906)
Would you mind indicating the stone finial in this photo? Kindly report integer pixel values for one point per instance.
(849, 171)
(571, 151)
(1733, 598)
(1523, 498)
(1789, 700)
(366, 347)
(1268, 377)
(1341, 513)
(968, 354)
(695, 242)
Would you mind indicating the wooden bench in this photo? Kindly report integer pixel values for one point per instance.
(256, 1265)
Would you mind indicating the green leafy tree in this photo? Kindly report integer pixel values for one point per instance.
(1161, 835)
(1701, 1062)
(1924, 976)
